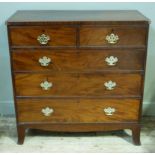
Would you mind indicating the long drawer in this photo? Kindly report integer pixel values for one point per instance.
(77, 111)
(86, 84)
(113, 36)
(77, 60)
(42, 36)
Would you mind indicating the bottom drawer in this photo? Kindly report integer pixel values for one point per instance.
(77, 111)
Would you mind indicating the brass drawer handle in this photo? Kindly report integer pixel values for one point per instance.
(112, 38)
(110, 85)
(44, 61)
(111, 61)
(109, 111)
(43, 39)
(46, 85)
(47, 111)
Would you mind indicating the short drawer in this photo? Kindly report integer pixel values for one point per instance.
(86, 84)
(113, 36)
(77, 60)
(77, 111)
(42, 36)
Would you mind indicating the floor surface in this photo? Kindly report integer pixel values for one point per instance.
(37, 141)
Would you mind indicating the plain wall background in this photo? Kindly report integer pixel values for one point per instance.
(7, 9)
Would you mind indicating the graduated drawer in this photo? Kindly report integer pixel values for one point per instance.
(42, 36)
(113, 36)
(77, 60)
(86, 84)
(77, 111)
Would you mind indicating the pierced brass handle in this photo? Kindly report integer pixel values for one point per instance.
(110, 85)
(111, 61)
(46, 85)
(47, 111)
(43, 39)
(109, 111)
(44, 61)
(112, 38)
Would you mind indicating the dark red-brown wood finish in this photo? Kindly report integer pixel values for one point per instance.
(79, 69)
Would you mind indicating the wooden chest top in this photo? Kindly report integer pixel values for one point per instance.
(77, 17)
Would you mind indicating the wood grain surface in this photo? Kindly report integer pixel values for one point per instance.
(88, 84)
(78, 111)
(27, 35)
(128, 36)
(77, 60)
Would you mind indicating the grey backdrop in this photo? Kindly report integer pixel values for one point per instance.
(7, 9)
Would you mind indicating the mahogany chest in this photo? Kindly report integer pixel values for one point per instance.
(78, 71)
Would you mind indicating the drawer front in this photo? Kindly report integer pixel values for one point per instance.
(77, 111)
(42, 36)
(77, 60)
(87, 84)
(114, 36)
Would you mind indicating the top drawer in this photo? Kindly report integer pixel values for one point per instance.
(113, 36)
(42, 36)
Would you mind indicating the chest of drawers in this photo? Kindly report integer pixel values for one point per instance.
(78, 71)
